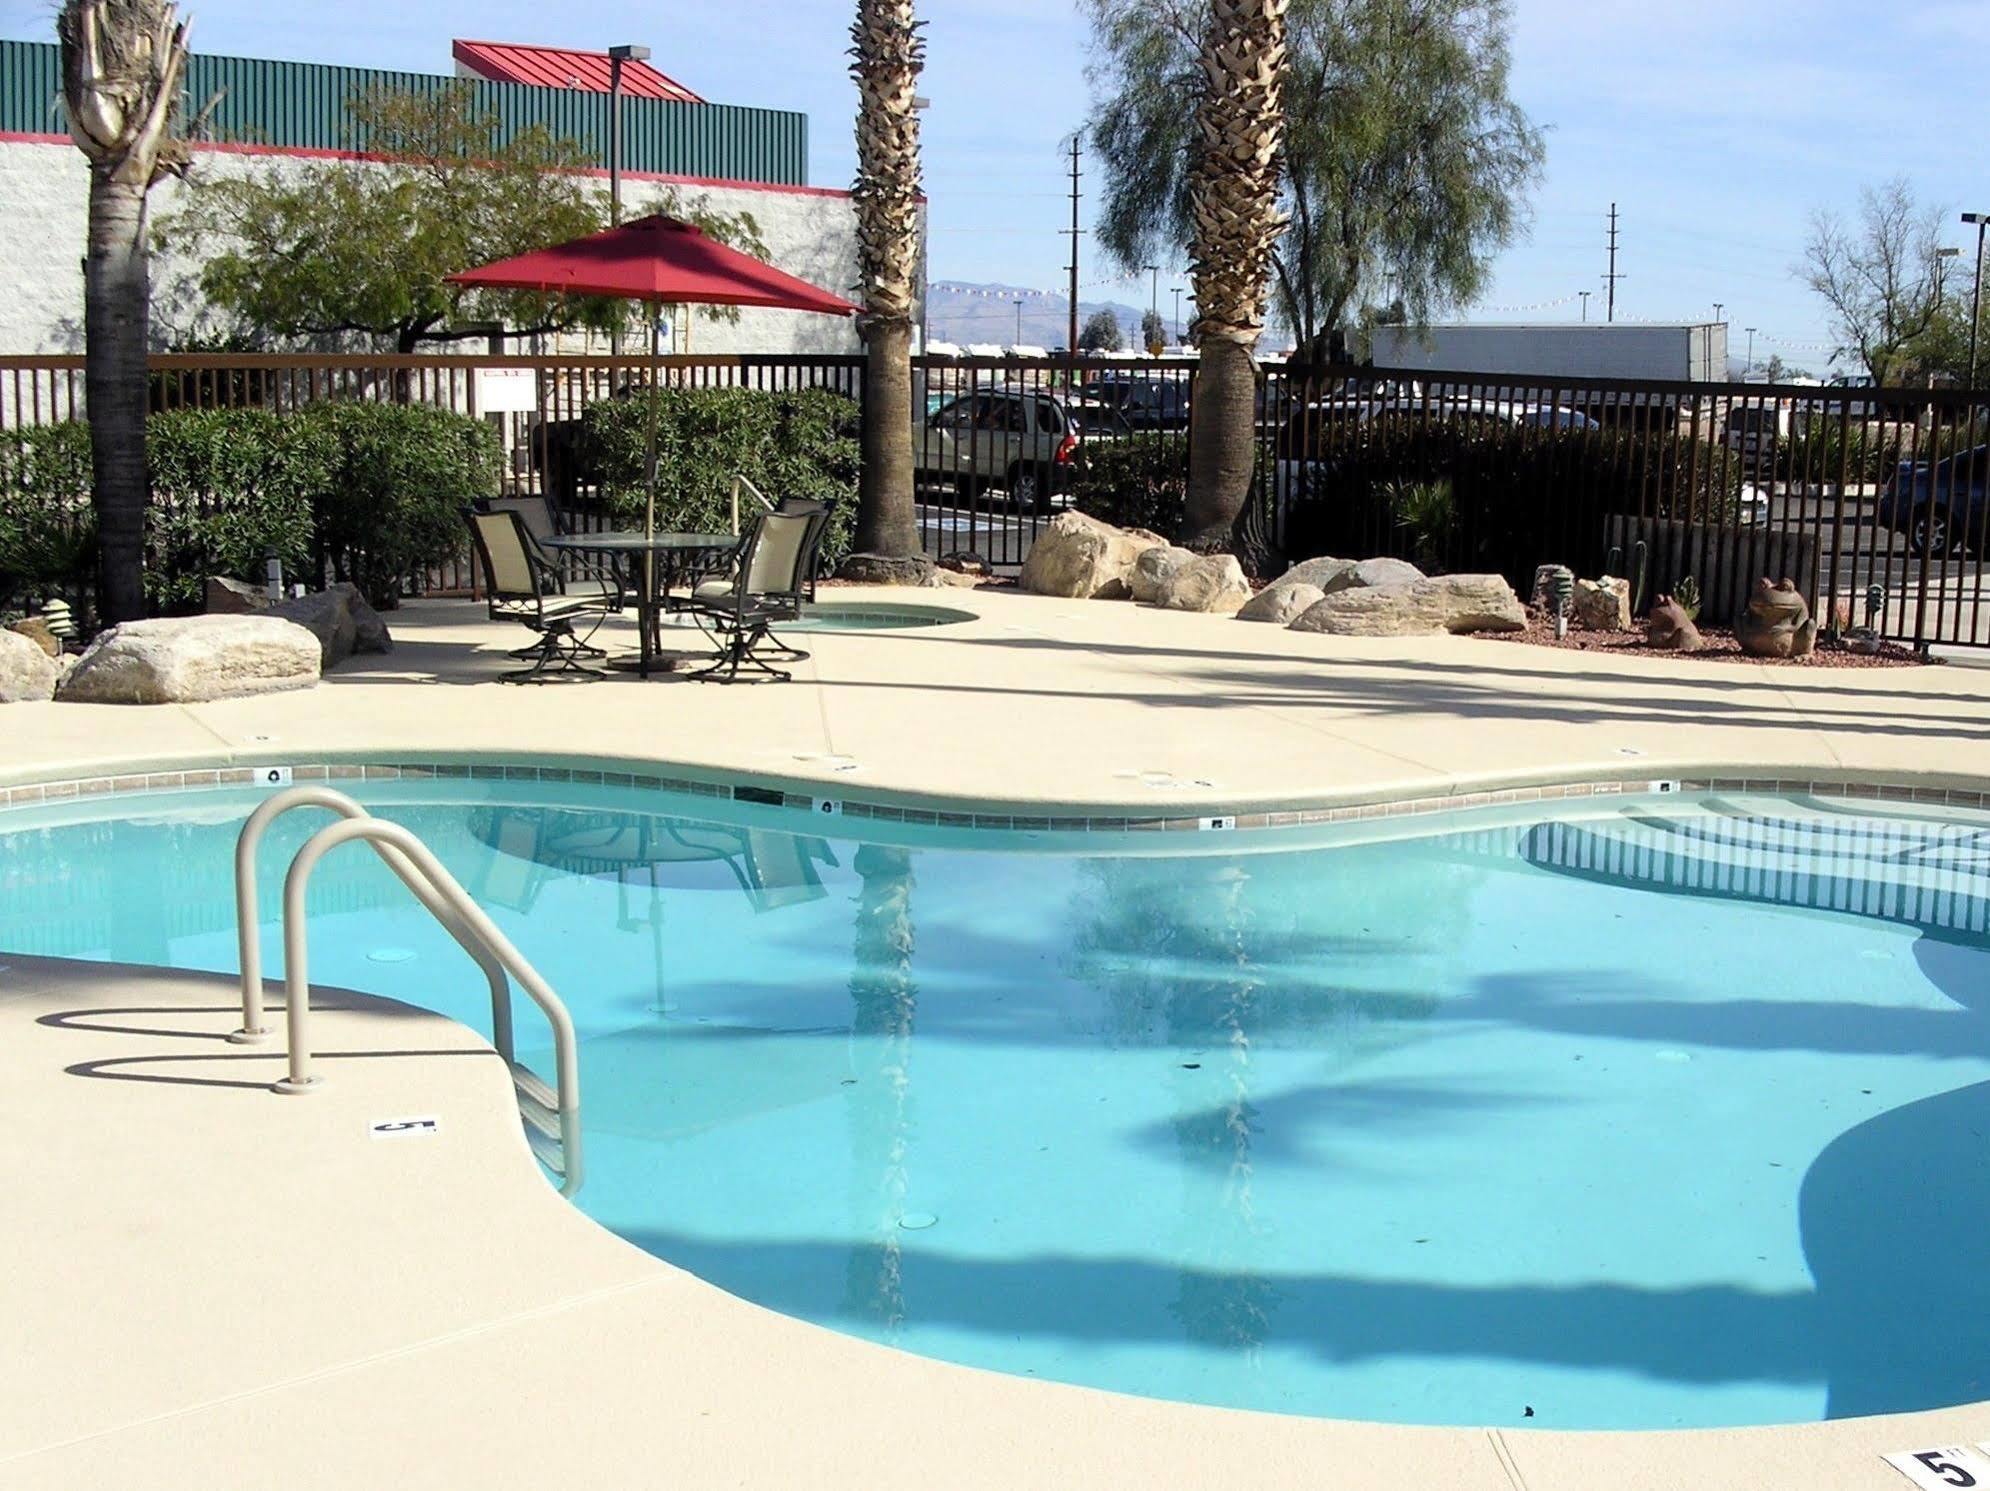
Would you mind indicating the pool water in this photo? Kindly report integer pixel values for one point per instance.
(1653, 1113)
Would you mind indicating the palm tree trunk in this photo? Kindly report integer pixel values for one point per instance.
(887, 520)
(116, 297)
(1222, 444)
(1233, 185)
(889, 54)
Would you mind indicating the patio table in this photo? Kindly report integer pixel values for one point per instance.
(672, 557)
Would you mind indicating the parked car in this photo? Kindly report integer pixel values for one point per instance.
(1545, 418)
(1146, 403)
(1026, 441)
(1942, 508)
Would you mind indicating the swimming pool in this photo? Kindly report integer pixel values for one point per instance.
(1638, 1114)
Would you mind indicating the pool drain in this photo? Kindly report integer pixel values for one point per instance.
(390, 955)
(917, 1221)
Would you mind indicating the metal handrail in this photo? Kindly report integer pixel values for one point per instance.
(439, 893)
(248, 917)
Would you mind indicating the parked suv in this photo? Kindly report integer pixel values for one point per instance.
(1026, 441)
(1941, 508)
(1147, 403)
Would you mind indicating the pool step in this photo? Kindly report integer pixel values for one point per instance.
(539, 1107)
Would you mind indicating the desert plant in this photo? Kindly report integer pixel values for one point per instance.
(48, 530)
(1427, 512)
(1139, 483)
(1687, 593)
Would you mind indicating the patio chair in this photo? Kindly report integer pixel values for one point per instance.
(775, 560)
(572, 573)
(523, 588)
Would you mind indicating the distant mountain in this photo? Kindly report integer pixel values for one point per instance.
(962, 313)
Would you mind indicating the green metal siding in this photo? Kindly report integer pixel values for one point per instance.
(302, 105)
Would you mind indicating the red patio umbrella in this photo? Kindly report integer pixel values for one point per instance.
(661, 260)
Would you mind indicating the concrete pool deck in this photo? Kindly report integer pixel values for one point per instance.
(211, 1286)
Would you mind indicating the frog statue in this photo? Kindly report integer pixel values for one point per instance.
(1778, 623)
(1671, 629)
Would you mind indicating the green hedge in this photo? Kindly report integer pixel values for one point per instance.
(1511, 498)
(1135, 483)
(365, 492)
(799, 443)
(48, 535)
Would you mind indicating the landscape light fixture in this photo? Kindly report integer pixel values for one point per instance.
(1979, 221)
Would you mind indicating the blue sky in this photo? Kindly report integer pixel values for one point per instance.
(1716, 125)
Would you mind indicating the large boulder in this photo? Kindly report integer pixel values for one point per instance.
(27, 673)
(38, 632)
(1602, 605)
(1212, 583)
(1154, 568)
(1282, 603)
(1374, 574)
(1083, 559)
(1325, 572)
(189, 659)
(1449, 603)
(230, 597)
(341, 621)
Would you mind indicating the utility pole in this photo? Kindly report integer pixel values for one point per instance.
(1071, 340)
(1178, 313)
(1154, 300)
(1585, 294)
(1750, 371)
(1019, 323)
(1612, 277)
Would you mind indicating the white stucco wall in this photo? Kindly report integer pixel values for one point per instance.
(44, 206)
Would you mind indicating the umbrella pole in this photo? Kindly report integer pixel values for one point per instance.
(649, 494)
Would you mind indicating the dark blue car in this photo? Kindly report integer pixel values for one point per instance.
(1941, 508)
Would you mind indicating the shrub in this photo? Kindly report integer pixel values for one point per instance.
(229, 486)
(1520, 497)
(796, 443)
(1137, 483)
(48, 534)
(390, 505)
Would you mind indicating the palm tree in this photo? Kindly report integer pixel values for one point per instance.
(1233, 188)
(122, 61)
(889, 53)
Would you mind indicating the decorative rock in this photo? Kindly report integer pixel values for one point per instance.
(1154, 568)
(1670, 629)
(949, 579)
(1430, 607)
(1778, 623)
(1323, 572)
(341, 621)
(188, 659)
(1083, 559)
(966, 562)
(37, 631)
(1212, 583)
(882, 569)
(226, 597)
(1602, 605)
(27, 673)
(1282, 603)
(1377, 574)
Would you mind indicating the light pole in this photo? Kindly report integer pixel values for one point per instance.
(1019, 322)
(1749, 372)
(1979, 220)
(1719, 306)
(618, 58)
(1585, 294)
(1178, 315)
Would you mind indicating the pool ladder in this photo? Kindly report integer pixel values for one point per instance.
(550, 1112)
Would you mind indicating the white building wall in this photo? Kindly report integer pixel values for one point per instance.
(1585, 350)
(44, 215)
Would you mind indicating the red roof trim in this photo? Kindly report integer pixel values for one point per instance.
(565, 67)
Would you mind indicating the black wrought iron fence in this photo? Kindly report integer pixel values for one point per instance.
(1873, 500)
